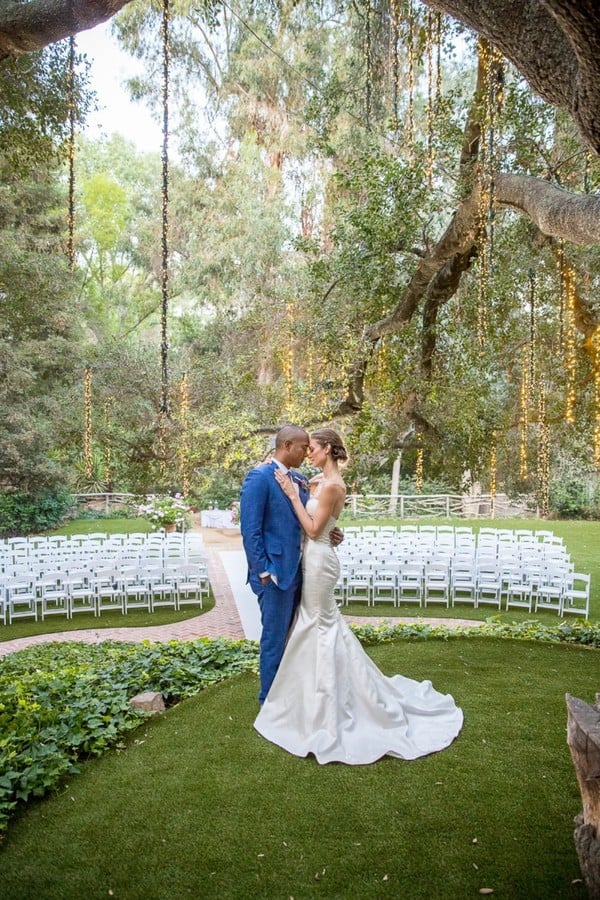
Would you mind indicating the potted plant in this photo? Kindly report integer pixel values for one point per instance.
(165, 511)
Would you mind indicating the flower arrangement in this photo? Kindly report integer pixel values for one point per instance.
(164, 510)
(235, 513)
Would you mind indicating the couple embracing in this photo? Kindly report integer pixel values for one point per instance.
(319, 691)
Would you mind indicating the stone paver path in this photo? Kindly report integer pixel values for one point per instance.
(221, 621)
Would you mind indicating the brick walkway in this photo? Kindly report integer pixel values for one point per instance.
(221, 621)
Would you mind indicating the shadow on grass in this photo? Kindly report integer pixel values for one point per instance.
(197, 804)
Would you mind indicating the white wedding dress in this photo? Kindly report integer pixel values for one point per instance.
(329, 698)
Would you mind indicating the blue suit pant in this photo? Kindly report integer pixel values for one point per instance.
(277, 609)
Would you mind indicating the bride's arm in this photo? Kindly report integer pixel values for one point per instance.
(312, 525)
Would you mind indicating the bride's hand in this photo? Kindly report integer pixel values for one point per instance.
(285, 484)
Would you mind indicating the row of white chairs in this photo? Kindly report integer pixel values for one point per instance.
(560, 589)
(457, 531)
(119, 550)
(102, 589)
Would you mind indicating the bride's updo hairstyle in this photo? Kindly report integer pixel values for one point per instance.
(328, 436)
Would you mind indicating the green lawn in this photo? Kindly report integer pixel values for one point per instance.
(197, 804)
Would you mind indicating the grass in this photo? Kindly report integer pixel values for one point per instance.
(198, 805)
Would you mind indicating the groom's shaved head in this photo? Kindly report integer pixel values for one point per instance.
(289, 433)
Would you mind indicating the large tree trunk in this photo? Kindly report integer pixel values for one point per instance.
(555, 45)
(583, 738)
(25, 27)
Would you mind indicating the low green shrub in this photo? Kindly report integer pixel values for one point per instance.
(22, 513)
(60, 702)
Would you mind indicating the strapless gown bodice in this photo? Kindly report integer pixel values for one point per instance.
(329, 698)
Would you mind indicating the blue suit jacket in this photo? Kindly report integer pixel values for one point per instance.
(271, 533)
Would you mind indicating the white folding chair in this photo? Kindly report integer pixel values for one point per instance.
(135, 589)
(53, 595)
(489, 585)
(359, 585)
(436, 584)
(576, 594)
(108, 590)
(162, 587)
(464, 584)
(385, 585)
(191, 582)
(80, 591)
(21, 598)
(410, 584)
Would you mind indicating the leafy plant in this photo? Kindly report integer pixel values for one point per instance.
(22, 513)
(63, 702)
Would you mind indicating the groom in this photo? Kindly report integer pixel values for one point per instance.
(272, 539)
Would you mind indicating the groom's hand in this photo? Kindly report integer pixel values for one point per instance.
(336, 536)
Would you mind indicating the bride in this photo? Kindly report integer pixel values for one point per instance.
(328, 697)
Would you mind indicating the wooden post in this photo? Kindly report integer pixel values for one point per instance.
(583, 738)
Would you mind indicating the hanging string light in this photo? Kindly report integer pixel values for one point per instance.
(430, 110)
(524, 399)
(569, 348)
(560, 264)
(596, 364)
(491, 62)
(493, 476)
(164, 346)
(368, 65)
(439, 35)
(87, 429)
(107, 445)
(410, 52)
(288, 360)
(71, 152)
(532, 329)
(419, 465)
(395, 61)
(184, 445)
(543, 461)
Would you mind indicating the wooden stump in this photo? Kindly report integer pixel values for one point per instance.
(583, 738)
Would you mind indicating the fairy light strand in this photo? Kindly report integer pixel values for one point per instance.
(543, 467)
(395, 62)
(368, 66)
(107, 444)
(430, 112)
(87, 429)
(569, 349)
(410, 52)
(419, 465)
(184, 445)
(596, 364)
(71, 152)
(493, 476)
(524, 404)
(164, 346)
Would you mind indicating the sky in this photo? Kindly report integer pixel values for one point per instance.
(116, 113)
